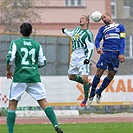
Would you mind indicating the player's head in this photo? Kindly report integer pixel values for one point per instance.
(106, 18)
(26, 29)
(84, 20)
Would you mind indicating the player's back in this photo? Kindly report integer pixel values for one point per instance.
(26, 60)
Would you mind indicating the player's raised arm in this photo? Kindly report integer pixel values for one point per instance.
(67, 31)
(121, 56)
(122, 38)
(98, 38)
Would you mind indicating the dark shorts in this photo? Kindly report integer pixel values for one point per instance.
(109, 60)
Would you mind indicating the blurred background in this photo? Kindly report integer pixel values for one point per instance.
(47, 18)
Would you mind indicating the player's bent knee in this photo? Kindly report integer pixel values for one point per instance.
(71, 77)
(111, 75)
(85, 81)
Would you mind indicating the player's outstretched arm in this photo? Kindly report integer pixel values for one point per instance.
(67, 32)
(62, 29)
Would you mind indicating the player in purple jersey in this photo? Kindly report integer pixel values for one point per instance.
(111, 53)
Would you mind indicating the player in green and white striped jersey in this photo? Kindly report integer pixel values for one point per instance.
(28, 56)
(82, 50)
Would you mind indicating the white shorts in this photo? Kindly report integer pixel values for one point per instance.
(77, 65)
(35, 90)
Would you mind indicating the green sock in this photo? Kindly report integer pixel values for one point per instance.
(79, 79)
(51, 115)
(86, 90)
(11, 120)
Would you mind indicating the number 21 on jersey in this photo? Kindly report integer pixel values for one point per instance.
(27, 56)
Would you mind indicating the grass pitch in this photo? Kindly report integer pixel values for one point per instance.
(122, 127)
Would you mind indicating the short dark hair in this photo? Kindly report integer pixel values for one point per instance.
(26, 29)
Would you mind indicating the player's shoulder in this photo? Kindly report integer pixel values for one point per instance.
(102, 28)
(15, 41)
(89, 32)
(120, 25)
(78, 27)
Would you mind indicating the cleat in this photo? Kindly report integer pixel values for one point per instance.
(83, 103)
(98, 98)
(90, 100)
(58, 130)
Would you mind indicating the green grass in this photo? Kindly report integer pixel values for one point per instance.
(122, 127)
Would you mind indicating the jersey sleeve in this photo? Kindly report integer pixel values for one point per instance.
(11, 53)
(123, 39)
(41, 58)
(90, 46)
(98, 38)
(69, 32)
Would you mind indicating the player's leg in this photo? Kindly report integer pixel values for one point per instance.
(48, 111)
(73, 71)
(95, 82)
(37, 91)
(11, 115)
(101, 67)
(50, 114)
(104, 84)
(16, 91)
(84, 70)
(77, 67)
(113, 64)
(83, 80)
(86, 87)
(76, 78)
(72, 77)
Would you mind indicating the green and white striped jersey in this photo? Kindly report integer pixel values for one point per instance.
(28, 56)
(81, 39)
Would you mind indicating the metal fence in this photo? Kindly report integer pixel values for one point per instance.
(56, 49)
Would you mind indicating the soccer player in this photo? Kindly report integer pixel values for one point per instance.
(28, 56)
(82, 50)
(111, 53)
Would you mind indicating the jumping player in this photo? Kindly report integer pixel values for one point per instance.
(82, 50)
(28, 56)
(111, 53)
